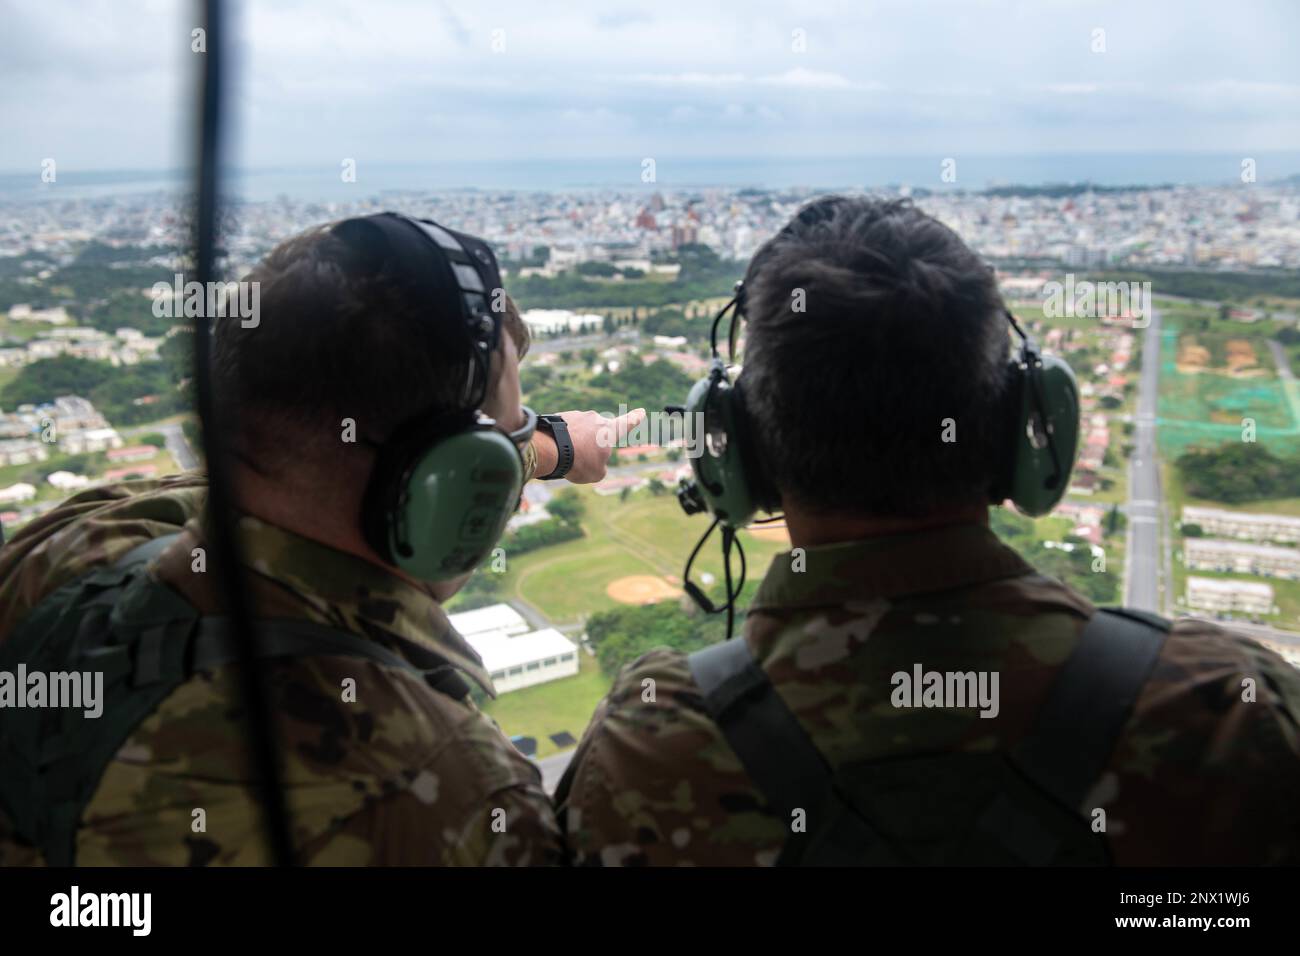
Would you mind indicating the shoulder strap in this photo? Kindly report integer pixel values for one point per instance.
(1089, 703)
(1067, 749)
(780, 757)
(770, 741)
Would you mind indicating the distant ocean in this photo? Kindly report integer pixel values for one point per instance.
(974, 172)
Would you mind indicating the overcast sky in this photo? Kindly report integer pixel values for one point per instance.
(108, 84)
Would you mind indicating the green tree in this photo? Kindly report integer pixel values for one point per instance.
(567, 506)
(1237, 472)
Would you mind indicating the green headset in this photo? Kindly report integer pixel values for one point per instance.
(444, 485)
(1037, 451)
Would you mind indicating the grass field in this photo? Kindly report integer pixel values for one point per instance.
(561, 705)
(22, 331)
(644, 535)
(566, 583)
(1207, 409)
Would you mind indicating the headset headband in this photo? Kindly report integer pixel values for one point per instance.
(463, 275)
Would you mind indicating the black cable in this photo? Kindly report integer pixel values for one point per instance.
(697, 595)
(732, 590)
(228, 564)
(728, 538)
(713, 330)
(1029, 349)
(744, 568)
(731, 333)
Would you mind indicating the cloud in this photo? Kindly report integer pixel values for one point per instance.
(800, 78)
(111, 83)
(687, 79)
(1073, 89)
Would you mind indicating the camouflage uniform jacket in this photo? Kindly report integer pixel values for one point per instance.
(1198, 775)
(402, 775)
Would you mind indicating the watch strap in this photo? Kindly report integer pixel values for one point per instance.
(559, 430)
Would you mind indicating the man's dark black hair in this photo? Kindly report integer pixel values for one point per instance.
(874, 333)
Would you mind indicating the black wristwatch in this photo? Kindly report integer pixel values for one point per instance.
(563, 444)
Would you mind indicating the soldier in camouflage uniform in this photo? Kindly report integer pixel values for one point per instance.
(393, 772)
(894, 565)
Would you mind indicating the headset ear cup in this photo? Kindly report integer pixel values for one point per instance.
(717, 454)
(439, 497)
(457, 498)
(1046, 438)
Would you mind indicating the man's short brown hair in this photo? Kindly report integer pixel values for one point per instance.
(333, 343)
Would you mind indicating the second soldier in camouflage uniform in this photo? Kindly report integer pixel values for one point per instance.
(895, 566)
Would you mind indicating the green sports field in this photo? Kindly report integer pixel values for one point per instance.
(645, 535)
(1206, 409)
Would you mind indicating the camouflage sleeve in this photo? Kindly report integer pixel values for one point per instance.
(475, 801)
(513, 827)
(90, 529)
(654, 783)
(1208, 769)
(397, 774)
(530, 462)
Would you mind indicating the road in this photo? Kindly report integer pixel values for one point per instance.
(179, 448)
(552, 768)
(1288, 378)
(1142, 585)
(174, 437)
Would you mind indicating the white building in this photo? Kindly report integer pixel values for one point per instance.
(90, 440)
(22, 451)
(1244, 524)
(25, 313)
(1214, 554)
(552, 320)
(497, 618)
(67, 481)
(523, 660)
(19, 492)
(1220, 595)
(512, 655)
